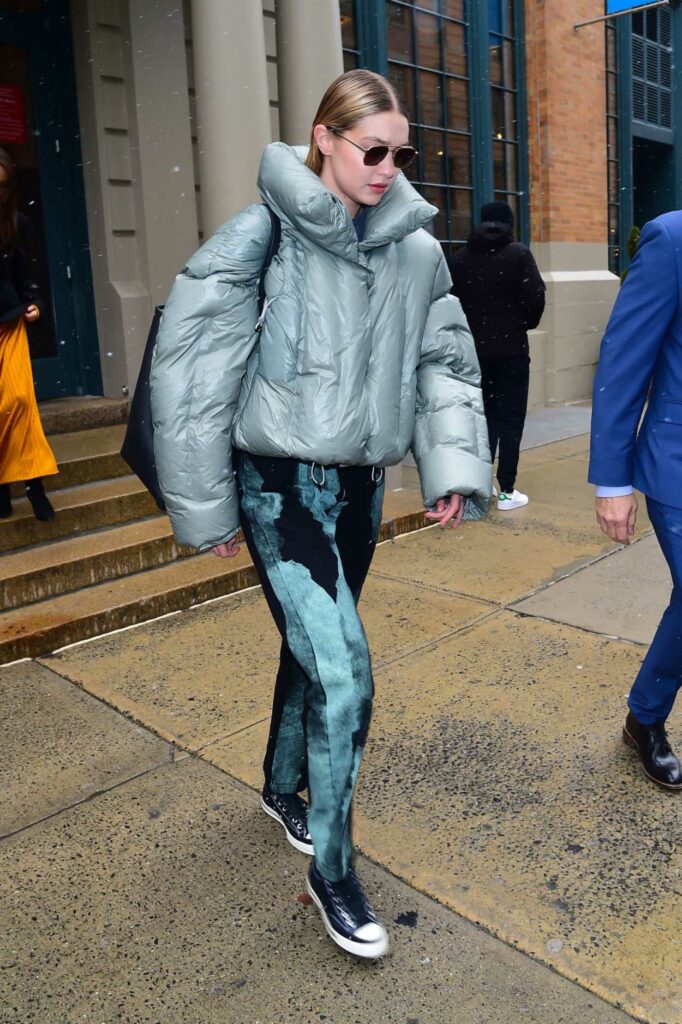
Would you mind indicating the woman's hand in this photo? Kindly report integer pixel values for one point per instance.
(32, 313)
(228, 550)
(448, 510)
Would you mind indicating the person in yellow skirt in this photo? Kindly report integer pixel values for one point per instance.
(24, 452)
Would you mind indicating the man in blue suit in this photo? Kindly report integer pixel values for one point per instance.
(641, 355)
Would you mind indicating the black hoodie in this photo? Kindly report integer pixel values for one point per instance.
(502, 293)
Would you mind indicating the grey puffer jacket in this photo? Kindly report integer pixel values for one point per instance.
(362, 354)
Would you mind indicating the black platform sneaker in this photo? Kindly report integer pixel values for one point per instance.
(291, 811)
(347, 916)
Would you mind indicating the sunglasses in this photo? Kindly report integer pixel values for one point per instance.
(402, 155)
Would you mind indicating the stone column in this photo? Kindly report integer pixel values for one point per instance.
(309, 58)
(166, 207)
(233, 106)
(566, 82)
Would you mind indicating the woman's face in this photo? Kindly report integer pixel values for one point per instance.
(344, 171)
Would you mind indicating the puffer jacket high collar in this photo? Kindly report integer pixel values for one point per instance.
(302, 201)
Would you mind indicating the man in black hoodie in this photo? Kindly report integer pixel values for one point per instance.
(503, 296)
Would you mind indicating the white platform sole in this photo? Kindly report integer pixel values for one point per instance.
(296, 843)
(366, 950)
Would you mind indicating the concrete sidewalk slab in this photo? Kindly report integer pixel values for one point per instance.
(500, 561)
(544, 426)
(506, 792)
(185, 909)
(496, 780)
(198, 677)
(623, 595)
(60, 746)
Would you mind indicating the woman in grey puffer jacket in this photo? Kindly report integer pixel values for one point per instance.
(363, 353)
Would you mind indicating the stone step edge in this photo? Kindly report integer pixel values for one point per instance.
(47, 639)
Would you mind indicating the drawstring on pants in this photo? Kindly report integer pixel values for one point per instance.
(318, 483)
(377, 474)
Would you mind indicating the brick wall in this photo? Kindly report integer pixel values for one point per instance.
(566, 121)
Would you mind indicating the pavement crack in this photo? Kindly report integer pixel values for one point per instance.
(89, 798)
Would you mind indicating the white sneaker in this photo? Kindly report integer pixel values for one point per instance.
(506, 502)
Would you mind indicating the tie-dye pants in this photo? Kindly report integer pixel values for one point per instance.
(311, 532)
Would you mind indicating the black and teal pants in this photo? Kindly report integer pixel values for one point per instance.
(311, 531)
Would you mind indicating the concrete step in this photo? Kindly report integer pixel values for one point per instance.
(37, 573)
(79, 510)
(83, 457)
(65, 415)
(43, 626)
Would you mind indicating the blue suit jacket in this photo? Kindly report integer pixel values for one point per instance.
(642, 349)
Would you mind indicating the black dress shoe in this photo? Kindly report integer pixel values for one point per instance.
(291, 811)
(347, 916)
(5, 502)
(40, 503)
(651, 743)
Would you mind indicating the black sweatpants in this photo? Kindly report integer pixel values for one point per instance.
(505, 398)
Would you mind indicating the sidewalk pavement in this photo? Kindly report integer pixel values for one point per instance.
(526, 869)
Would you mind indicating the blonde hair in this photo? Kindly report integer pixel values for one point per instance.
(350, 97)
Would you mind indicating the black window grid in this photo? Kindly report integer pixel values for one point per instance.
(652, 61)
(612, 160)
(446, 192)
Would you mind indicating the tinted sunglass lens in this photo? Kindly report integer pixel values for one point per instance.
(375, 155)
(404, 156)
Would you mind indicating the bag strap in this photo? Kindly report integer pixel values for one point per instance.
(273, 248)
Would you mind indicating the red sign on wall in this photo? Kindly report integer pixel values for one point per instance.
(12, 123)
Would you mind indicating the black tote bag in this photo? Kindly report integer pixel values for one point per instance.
(138, 443)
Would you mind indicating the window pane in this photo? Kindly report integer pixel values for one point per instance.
(459, 159)
(428, 40)
(495, 16)
(455, 48)
(432, 154)
(502, 63)
(403, 82)
(350, 60)
(504, 166)
(437, 196)
(430, 98)
(504, 114)
(458, 104)
(454, 8)
(460, 214)
(400, 40)
(348, 33)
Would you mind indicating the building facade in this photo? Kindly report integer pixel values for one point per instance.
(137, 128)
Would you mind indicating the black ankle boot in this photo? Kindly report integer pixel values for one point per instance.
(651, 743)
(5, 502)
(35, 492)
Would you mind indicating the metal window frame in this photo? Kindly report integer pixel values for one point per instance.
(372, 42)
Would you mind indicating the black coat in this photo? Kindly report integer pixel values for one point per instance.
(502, 293)
(18, 290)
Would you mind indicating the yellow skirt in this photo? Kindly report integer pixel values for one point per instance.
(24, 451)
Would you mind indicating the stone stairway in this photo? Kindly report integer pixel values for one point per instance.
(108, 559)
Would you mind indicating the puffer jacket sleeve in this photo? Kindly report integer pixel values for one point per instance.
(204, 342)
(450, 442)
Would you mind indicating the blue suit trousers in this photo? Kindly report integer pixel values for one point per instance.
(660, 677)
